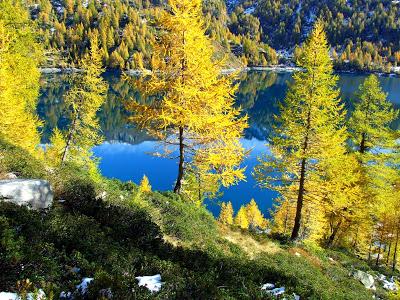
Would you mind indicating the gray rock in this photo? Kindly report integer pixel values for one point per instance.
(366, 279)
(10, 176)
(33, 192)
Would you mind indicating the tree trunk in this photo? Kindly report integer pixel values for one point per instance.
(395, 249)
(333, 235)
(380, 247)
(69, 140)
(370, 248)
(390, 248)
(300, 200)
(363, 146)
(178, 184)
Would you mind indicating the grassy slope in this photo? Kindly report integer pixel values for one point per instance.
(127, 235)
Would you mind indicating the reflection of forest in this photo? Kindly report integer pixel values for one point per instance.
(112, 116)
(258, 93)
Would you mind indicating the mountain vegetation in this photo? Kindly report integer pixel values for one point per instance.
(363, 34)
(336, 172)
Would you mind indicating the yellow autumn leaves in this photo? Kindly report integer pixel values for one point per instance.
(19, 77)
(248, 216)
(193, 111)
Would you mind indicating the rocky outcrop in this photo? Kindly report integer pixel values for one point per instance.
(34, 193)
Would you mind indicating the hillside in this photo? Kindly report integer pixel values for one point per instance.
(110, 232)
(364, 34)
(127, 31)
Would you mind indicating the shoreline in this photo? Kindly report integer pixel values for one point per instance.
(275, 68)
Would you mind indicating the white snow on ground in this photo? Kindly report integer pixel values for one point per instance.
(152, 283)
(268, 286)
(276, 292)
(396, 69)
(250, 10)
(30, 296)
(83, 286)
(81, 289)
(8, 296)
(388, 284)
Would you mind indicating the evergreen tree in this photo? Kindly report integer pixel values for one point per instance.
(196, 114)
(310, 131)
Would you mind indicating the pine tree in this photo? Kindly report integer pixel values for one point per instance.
(310, 132)
(144, 186)
(226, 215)
(196, 114)
(84, 100)
(19, 77)
(241, 218)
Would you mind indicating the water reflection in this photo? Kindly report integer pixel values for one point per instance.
(124, 154)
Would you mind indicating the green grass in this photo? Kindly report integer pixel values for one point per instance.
(126, 235)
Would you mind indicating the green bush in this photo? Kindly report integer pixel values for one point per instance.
(20, 162)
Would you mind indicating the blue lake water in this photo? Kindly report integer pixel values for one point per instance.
(125, 154)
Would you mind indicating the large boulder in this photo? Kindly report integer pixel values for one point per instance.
(366, 279)
(33, 192)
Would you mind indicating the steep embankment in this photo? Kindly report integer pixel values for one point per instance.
(113, 232)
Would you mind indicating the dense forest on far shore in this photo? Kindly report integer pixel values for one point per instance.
(363, 34)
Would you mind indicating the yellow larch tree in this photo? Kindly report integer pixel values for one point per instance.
(226, 214)
(144, 186)
(309, 134)
(241, 219)
(84, 100)
(194, 115)
(20, 55)
(255, 217)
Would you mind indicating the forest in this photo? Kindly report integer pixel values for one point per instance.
(363, 34)
(334, 229)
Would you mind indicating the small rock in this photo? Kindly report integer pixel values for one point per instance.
(106, 293)
(297, 254)
(10, 176)
(102, 195)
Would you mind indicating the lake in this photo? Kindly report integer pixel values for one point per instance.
(125, 154)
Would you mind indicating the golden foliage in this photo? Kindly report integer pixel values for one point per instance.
(19, 77)
(226, 215)
(195, 110)
(144, 186)
(241, 219)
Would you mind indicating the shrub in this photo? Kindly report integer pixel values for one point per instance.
(20, 162)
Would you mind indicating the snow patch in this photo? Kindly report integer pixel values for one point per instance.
(250, 10)
(83, 286)
(152, 283)
(40, 295)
